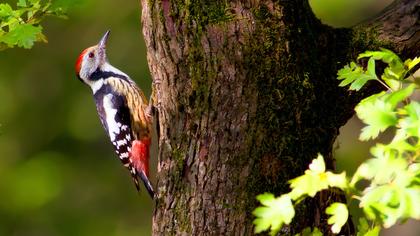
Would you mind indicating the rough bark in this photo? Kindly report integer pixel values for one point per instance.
(398, 26)
(247, 96)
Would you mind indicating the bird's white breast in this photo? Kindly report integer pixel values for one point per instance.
(96, 85)
(110, 113)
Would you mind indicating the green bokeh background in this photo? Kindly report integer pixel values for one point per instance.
(58, 172)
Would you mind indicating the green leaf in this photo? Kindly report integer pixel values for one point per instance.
(347, 73)
(398, 96)
(411, 63)
(23, 35)
(371, 67)
(410, 124)
(274, 213)
(391, 81)
(393, 201)
(374, 201)
(313, 181)
(385, 168)
(308, 232)
(317, 165)
(395, 69)
(360, 81)
(363, 228)
(36, 3)
(354, 75)
(6, 11)
(339, 215)
(316, 179)
(21, 3)
(377, 113)
(412, 198)
(337, 180)
(384, 55)
(373, 232)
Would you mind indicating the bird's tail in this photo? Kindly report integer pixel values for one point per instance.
(140, 153)
(147, 184)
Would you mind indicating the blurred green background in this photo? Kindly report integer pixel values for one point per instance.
(58, 172)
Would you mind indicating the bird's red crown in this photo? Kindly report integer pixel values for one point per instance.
(79, 61)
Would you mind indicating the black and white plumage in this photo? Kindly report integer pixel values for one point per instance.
(122, 109)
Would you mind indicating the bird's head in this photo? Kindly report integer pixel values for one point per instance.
(91, 59)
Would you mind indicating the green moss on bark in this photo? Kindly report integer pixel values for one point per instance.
(366, 38)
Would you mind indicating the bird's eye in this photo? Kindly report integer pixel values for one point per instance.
(91, 55)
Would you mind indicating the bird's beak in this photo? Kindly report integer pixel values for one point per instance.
(102, 47)
(104, 39)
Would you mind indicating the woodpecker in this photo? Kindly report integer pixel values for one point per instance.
(123, 110)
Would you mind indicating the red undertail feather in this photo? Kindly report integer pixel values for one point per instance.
(140, 153)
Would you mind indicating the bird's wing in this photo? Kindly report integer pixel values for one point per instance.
(115, 117)
(136, 103)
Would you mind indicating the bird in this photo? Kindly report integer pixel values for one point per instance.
(123, 109)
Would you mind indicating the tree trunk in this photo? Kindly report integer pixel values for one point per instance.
(247, 96)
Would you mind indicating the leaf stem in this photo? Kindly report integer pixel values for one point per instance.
(385, 85)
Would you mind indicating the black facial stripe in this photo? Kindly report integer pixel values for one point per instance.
(99, 74)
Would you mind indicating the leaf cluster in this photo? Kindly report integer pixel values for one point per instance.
(392, 78)
(21, 26)
(316, 178)
(390, 192)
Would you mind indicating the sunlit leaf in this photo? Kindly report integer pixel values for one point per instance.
(354, 75)
(373, 232)
(389, 203)
(273, 214)
(377, 114)
(318, 164)
(383, 169)
(308, 232)
(339, 215)
(371, 67)
(395, 70)
(313, 181)
(360, 81)
(337, 180)
(364, 229)
(385, 55)
(6, 11)
(412, 197)
(23, 35)
(411, 63)
(392, 82)
(316, 179)
(378, 111)
(21, 3)
(398, 96)
(410, 124)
